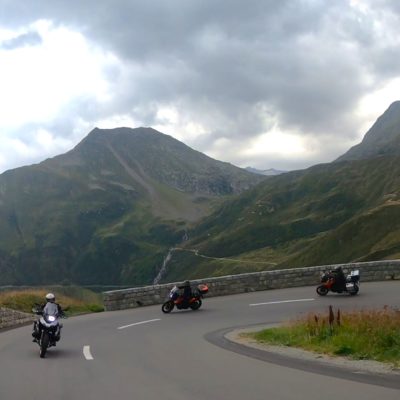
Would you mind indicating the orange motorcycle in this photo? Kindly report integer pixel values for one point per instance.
(176, 299)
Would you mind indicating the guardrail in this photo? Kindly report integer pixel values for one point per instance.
(251, 282)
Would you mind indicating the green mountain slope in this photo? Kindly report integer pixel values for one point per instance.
(339, 212)
(331, 213)
(107, 211)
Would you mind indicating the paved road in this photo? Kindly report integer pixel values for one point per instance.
(143, 354)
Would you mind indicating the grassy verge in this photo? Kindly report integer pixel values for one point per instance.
(76, 300)
(369, 335)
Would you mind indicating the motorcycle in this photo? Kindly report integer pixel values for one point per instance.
(47, 329)
(177, 300)
(329, 283)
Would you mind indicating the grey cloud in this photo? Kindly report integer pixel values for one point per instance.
(26, 39)
(235, 67)
(392, 5)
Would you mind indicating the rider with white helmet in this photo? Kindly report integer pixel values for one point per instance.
(49, 308)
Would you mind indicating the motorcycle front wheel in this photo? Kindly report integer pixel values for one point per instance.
(44, 344)
(196, 304)
(322, 290)
(355, 290)
(167, 307)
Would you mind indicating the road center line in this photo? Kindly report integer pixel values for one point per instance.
(86, 353)
(139, 323)
(279, 302)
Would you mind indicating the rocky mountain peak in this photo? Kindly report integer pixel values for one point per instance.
(382, 139)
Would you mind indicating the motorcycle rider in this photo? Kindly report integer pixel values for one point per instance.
(340, 279)
(187, 292)
(48, 308)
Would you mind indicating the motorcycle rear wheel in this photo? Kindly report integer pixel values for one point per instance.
(44, 344)
(167, 307)
(196, 304)
(322, 290)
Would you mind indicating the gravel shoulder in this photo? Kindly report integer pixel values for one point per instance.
(363, 366)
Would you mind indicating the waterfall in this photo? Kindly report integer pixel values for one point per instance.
(167, 259)
(163, 269)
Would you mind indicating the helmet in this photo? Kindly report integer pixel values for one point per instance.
(50, 297)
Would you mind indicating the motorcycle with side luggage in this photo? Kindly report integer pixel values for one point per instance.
(176, 299)
(332, 282)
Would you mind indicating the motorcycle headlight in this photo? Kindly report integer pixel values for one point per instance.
(51, 318)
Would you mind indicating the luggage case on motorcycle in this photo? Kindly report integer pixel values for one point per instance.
(203, 289)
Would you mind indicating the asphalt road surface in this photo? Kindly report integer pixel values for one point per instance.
(144, 354)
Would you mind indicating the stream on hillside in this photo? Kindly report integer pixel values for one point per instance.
(163, 270)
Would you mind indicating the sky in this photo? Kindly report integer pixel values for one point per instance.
(263, 83)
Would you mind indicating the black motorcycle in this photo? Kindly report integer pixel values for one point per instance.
(47, 329)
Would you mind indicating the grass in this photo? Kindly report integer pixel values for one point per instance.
(362, 335)
(76, 300)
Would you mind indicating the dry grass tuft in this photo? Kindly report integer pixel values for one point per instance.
(368, 334)
(23, 300)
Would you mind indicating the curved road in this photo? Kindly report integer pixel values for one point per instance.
(144, 354)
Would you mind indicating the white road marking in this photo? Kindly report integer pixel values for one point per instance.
(139, 323)
(86, 353)
(279, 302)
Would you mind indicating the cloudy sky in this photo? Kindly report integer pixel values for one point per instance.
(284, 84)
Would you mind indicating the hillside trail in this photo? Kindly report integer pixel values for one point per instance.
(168, 258)
(196, 253)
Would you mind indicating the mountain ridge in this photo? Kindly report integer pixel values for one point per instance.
(383, 138)
(267, 172)
(108, 210)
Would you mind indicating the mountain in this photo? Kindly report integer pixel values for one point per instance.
(267, 172)
(345, 211)
(383, 139)
(107, 211)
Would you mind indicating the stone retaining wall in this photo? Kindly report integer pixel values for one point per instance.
(265, 280)
(10, 318)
